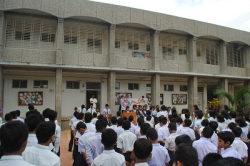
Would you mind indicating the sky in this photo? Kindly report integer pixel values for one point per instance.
(229, 13)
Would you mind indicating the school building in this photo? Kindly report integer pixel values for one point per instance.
(58, 53)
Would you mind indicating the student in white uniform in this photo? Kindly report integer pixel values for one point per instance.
(94, 118)
(149, 119)
(197, 123)
(162, 112)
(113, 123)
(106, 111)
(73, 119)
(221, 123)
(179, 122)
(140, 121)
(119, 130)
(142, 152)
(214, 137)
(183, 139)
(204, 146)
(10, 132)
(81, 109)
(90, 126)
(41, 154)
(57, 139)
(163, 131)
(243, 125)
(18, 116)
(91, 109)
(232, 116)
(212, 116)
(187, 130)
(132, 126)
(144, 128)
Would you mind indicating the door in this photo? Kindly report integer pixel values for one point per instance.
(200, 101)
(89, 94)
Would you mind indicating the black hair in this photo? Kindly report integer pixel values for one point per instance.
(229, 161)
(212, 114)
(81, 125)
(226, 136)
(174, 114)
(53, 115)
(109, 137)
(100, 117)
(88, 117)
(46, 113)
(163, 120)
(100, 125)
(148, 115)
(134, 106)
(44, 131)
(163, 107)
(118, 113)
(91, 104)
(233, 114)
(94, 114)
(76, 114)
(31, 107)
(32, 121)
(211, 158)
(144, 128)
(225, 114)
(13, 135)
(142, 148)
(18, 112)
(173, 120)
(226, 107)
(152, 134)
(124, 118)
(187, 155)
(126, 125)
(196, 107)
(33, 112)
(187, 122)
(183, 139)
(13, 113)
(131, 118)
(172, 126)
(80, 115)
(246, 115)
(140, 121)
(8, 117)
(220, 118)
(199, 114)
(120, 122)
(208, 132)
(183, 111)
(213, 125)
(113, 120)
(231, 125)
(241, 121)
(248, 135)
(237, 131)
(173, 110)
(204, 122)
(178, 119)
(187, 115)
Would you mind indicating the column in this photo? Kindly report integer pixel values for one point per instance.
(155, 89)
(192, 92)
(192, 54)
(111, 44)
(223, 58)
(2, 33)
(247, 60)
(58, 95)
(155, 50)
(204, 97)
(1, 87)
(223, 84)
(59, 41)
(111, 92)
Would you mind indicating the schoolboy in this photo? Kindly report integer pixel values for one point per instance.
(142, 151)
(225, 139)
(197, 125)
(72, 120)
(109, 157)
(187, 130)
(41, 154)
(211, 158)
(163, 131)
(144, 128)
(90, 126)
(162, 112)
(221, 123)
(182, 139)
(118, 115)
(57, 139)
(91, 110)
(119, 130)
(160, 156)
(204, 146)
(204, 123)
(179, 122)
(113, 123)
(140, 121)
(132, 126)
(8, 117)
(106, 111)
(13, 136)
(232, 116)
(230, 127)
(14, 115)
(18, 113)
(94, 118)
(214, 137)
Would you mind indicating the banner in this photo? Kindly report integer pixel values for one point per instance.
(133, 101)
(141, 54)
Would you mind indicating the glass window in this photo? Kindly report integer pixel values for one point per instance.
(93, 85)
(132, 86)
(40, 84)
(72, 85)
(183, 88)
(148, 87)
(169, 87)
(19, 84)
(117, 85)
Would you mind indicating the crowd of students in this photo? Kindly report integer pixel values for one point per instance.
(159, 138)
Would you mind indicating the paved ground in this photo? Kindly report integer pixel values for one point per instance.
(66, 157)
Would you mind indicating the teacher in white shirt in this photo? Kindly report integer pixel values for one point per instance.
(93, 100)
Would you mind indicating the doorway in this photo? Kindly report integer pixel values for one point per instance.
(93, 89)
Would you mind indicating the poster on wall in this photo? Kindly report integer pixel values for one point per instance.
(148, 96)
(30, 97)
(120, 95)
(140, 54)
(179, 99)
(133, 101)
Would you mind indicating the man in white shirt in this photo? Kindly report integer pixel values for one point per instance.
(106, 111)
(93, 101)
(10, 132)
(81, 109)
(94, 118)
(91, 109)
(163, 131)
(187, 130)
(162, 112)
(41, 154)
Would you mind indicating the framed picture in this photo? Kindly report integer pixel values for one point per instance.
(30, 97)
(148, 96)
(179, 99)
(120, 95)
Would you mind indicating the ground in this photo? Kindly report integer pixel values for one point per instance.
(66, 157)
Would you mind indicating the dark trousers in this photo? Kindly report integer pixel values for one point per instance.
(58, 153)
(80, 160)
(75, 153)
(71, 141)
(127, 156)
(171, 153)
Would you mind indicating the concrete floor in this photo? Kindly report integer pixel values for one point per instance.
(65, 156)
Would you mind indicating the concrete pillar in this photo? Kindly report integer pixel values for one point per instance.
(154, 49)
(111, 92)
(204, 97)
(155, 89)
(223, 58)
(111, 44)
(192, 54)
(192, 92)
(58, 95)
(223, 84)
(2, 33)
(59, 41)
(247, 60)
(1, 87)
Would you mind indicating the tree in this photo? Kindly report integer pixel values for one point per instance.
(239, 100)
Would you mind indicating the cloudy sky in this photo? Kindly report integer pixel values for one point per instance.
(229, 13)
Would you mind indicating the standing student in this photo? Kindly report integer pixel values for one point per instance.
(13, 136)
(142, 152)
(163, 131)
(81, 109)
(204, 146)
(113, 123)
(94, 118)
(221, 123)
(132, 126)
(149, 119)
(243, 125)
(18, 113)
(204, 123)
(40, 154)
(179, 122)
(140, 121)
(212, 116)
(211, 158)
(214, 137)
(232, 116)
(14, 115)
(109, 157)
(162, 112)
(144, 128)
(197, 122)
(91, 109)
(182, 139)
(119, 130)
(73, 119)
(90, 126)
(187, 130)
(226, 116)
(57, 139)
(106, 111)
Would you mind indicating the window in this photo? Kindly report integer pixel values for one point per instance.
(93, 85)
(117, 44)
(148, 87)
(183, 48)
(19, 84)
(22, 35)
(133, 46)
(40, 84)
(167, 48)
(183, 88)
(132, 86)
(95, 45)
(70, 39)
(72, 85)
(200, 89)
(211, 55)
(148, 48)
(117, 85)
(169, 87)
(48, 37)
(235, 56)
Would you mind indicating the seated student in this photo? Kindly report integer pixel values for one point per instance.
(85, 135)
(57, 139)
(204, 123)
(126, 141)
(109, 157)
(225, 139)
(203, 146)
(243, 125)
(182, 139)
(187, 130)
(113, 123)
(185, 155)
(221, 123)
(212, 115)
(140, 121)
(163, 131)
(132, 126)
(94, 118)
(142, 152)
(90, 126)
(232, 116)
(94, 147)
(144, 128)
(119, 128)
(40, 154)
(91, 110)
(134, 109)
(149, 119)
(239, 145)
(170, 140)
(211, 158)
(18, 116)
(214, 138)
(160, 156)
(13, 136)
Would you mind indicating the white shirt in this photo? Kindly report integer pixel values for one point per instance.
(83, 140)
(214, 139)
(230, 152)
(126, 141)
(91, 110)
(132, 127)
(244, 133)
(57, 138)
(114, 127)
(91, 127)
(119, 130)
(94, 147)
(109, 158)
(160, 156)
(13, 160)
(94, 101)
(106, 111)
(81, 110)
(138, 132)
(203, 146)
(211, 119)
(157, 126)
(240, 147)
(164, 113)
(163, 133)
(94, 120)
(232, 120)
(170, 141)
(141, 164)
(221, 126)
(179, 128)
(73, 127)
(188, 131)
(20, 119)
(198, 123)
(72, 120)
(40, 155)
(32, 140)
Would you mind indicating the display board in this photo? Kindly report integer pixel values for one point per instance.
(30, 97)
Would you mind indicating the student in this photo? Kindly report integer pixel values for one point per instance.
(226, 116)
(91, 109)
(204, 123)
(246, 118)
(118, 115)
(214, 137)
(127, 110)
(243, 125)
(109, 157)
(170, 140)
(94, 118)
(160, 156)
(229, 161)
(212, 115)
(221, 123)
(142, 151)
(163, 131)
(13, 136)
(113, 123)
(132, 126)
(73, 119)
(182, 139)
(187, 130)
(126, 141)
(179, 122)
(82, 141)
(157, 126)
(144, 128)
(144, 111)
(185, 155)
(232, 116)
(90, 126)
(57, 139)
(225, 139)
(18, 116)
(149, 119)
(46, 113)
(139, 111)
(162, 112)
(119, 130)
(40, 154)
(154, 112)
(183, 111)
(140, 121)
(203, 146)
(239, 145)
(14, 115)
(94, 147)
(81, 109)
(197, 124)
(211, 158)
(106, 111)
(134, 109)
(8, 117)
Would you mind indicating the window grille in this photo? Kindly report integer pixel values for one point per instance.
(209, 50)
(182, 48)
(235, 56)
(19, 83)
(133, 86)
